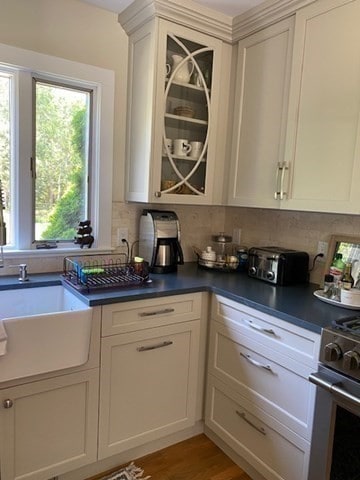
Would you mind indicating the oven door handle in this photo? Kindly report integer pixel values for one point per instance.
(334, 388)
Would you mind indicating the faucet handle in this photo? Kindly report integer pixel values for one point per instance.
(23, 275)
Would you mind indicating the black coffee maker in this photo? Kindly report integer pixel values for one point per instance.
(159, 241)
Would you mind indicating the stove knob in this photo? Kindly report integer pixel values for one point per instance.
(270, 275)
(252, 270)
(351, 361)
(332, 352)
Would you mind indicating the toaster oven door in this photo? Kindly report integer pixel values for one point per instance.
(264, 266)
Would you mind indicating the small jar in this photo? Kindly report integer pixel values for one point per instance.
(222, 246)
(243, 257)
(330, 289)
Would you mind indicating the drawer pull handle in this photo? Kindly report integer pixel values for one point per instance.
(256, 363)
(154, 347)
(157, 312)
(253, 325)
(258, 429)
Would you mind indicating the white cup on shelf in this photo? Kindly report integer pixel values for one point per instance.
(168, 143)
(182, 147)
(196, 149)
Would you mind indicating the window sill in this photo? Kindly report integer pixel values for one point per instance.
(55, 252)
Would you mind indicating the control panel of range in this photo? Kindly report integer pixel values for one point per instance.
(341, 351)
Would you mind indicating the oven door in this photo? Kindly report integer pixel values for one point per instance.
(335, 444)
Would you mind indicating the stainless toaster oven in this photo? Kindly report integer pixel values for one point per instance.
(279, 266)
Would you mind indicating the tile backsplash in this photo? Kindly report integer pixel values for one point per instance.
(289, 229)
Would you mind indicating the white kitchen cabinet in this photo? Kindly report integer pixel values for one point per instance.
(49, 427)
(260, 115)
(149, 377)
(259, 399)
(297, 109)
(178, 78)
(322, 145)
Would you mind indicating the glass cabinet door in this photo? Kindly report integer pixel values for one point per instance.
(187, 117)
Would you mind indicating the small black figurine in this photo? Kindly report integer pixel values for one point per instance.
(83, 234)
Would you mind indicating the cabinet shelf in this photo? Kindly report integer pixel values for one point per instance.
(189, 86)
(186, 158)
(194, 121)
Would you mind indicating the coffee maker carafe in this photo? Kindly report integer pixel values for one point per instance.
(159, 241)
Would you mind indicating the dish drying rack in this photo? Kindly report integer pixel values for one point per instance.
(94, 272)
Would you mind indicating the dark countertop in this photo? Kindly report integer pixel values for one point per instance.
(295, 304)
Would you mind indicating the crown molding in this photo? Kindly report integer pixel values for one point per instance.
(263, 15)
(207, 20)
(182, 12)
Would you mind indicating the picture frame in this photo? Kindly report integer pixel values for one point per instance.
(349, 246)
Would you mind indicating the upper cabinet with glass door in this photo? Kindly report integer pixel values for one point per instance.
(174, 152)
(187, 117)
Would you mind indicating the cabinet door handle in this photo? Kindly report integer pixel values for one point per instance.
(8, 403)
(154, 347)
(253, 325)
(243, 416)
(156, 312)
(277, 190)
(280, 172)
(256, 363)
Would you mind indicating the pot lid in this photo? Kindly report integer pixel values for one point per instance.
(222, 238)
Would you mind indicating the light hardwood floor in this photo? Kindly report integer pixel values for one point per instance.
(195, 459)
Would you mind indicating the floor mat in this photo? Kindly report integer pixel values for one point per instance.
(131, 472)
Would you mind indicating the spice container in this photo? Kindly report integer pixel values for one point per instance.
(243, 257)
(328, 285)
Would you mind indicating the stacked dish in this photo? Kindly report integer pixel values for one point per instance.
(184, 111)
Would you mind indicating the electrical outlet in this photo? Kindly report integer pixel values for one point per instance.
(322, 248)
(122, 233)
(236, 236)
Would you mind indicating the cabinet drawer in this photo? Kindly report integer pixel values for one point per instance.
(138, 315)
(277, 384)
(273, 450)
(298, 343)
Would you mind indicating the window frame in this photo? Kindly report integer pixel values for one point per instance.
(23, 65)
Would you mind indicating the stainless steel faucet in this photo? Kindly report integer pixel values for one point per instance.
(23, 274)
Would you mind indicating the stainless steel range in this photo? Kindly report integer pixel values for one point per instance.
(336, 431)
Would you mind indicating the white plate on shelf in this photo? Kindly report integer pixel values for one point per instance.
(320, 295)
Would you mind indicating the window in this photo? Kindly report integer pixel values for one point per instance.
(56, 126)
(61, 159)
